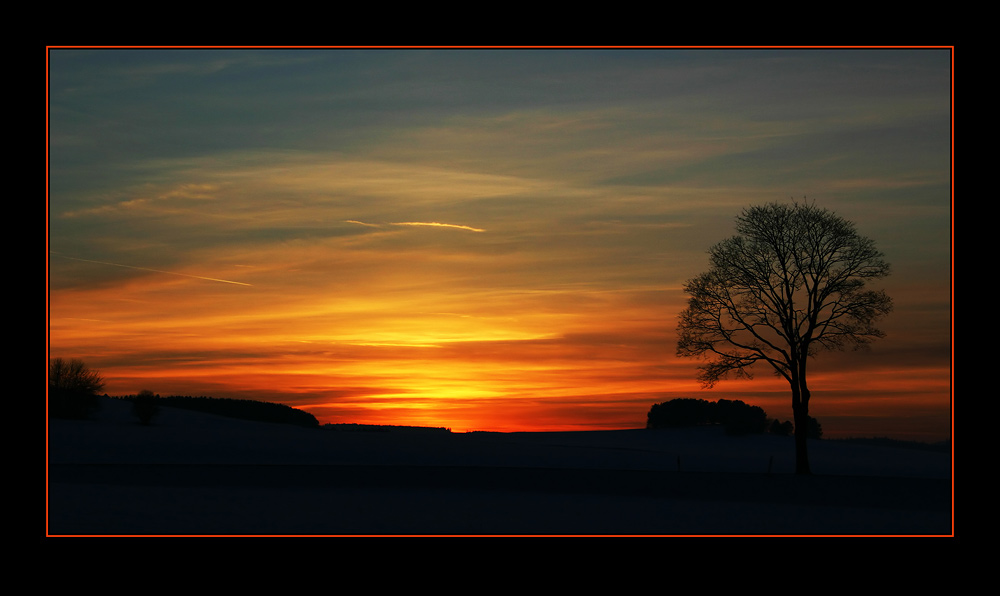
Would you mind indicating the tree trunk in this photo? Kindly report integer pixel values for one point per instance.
(800, 411)
(801, 435)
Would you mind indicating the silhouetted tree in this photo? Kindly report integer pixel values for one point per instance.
(73, 389)
(680, 412)
(740, 418)
(737, 417)
(791, 282)
(145, 406)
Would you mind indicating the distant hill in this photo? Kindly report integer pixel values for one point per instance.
(243, 409)
(942, 446)
(382, 428)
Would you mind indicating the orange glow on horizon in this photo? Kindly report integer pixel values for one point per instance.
(501, 362)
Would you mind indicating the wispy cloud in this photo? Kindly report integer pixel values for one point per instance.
(437, 225)
(225, 281)
(432, 224)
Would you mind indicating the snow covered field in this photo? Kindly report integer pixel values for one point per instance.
(197, 474)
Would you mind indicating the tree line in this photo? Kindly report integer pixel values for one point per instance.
(737, 417)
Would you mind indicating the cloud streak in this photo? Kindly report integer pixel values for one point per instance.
(435, 224)
(431, 224)
(225, 281)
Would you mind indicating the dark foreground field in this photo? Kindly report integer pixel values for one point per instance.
(194, 474)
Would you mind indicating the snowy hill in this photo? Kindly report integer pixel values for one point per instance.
(194, 473)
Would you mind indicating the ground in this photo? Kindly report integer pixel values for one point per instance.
(196, 474)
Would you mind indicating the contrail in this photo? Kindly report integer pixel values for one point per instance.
(416, 223)
(225, 281)
(436, 224)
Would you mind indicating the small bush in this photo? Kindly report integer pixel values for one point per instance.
(72, 404)
(814, 430)
(781, 429)
(145, 406)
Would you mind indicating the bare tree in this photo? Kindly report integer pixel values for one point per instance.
(791, 282)
(73, 388)
(74, 375)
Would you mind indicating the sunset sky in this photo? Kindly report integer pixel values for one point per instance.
(481, 239)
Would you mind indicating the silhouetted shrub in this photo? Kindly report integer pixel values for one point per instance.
(73, 389)
(145, 406)
(740, 418)
(814, 430)
(679, 412)
(737, 417)
(781, 429)
(67, 403)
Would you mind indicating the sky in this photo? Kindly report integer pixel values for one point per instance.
(481, 239)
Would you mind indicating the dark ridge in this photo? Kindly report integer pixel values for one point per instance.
(940, 446)
(243, 409)
(382, 428)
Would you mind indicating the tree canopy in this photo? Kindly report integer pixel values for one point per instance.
(793, 281)
(74, 375)
(737, 417)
